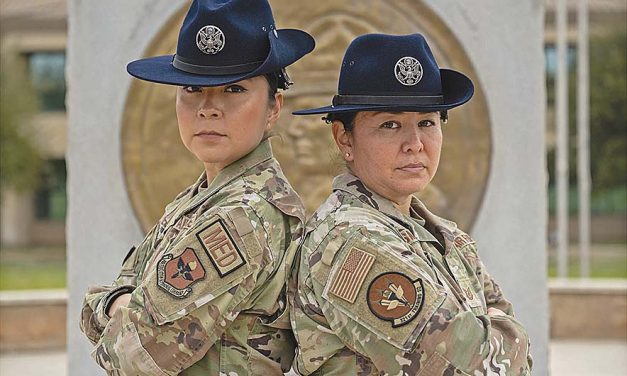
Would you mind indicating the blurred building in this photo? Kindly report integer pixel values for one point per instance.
(37, 30)
(606, 16)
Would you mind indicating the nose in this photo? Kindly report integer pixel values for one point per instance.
(210, 107)
(412, 142)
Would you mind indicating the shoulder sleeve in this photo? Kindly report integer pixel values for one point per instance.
(381, 301)
(98, 298)
(197, 288)
(491, 290)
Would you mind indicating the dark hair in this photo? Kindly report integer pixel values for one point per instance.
(273, 84)
(277, 80)
(348, 118)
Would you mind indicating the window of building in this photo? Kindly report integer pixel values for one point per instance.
(550, 59)
(47, 73)
(50, 198)
(550, 63)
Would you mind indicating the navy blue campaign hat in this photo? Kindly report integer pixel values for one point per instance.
(225, 41)
(395, 73)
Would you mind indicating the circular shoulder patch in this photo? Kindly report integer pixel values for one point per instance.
(408, 71)
(210, 39)
(396, 298)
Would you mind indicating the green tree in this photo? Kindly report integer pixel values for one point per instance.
(20, 162)
(608, 110)
(608, 124)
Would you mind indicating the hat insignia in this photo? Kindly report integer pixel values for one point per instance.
(210, 39)
(408, 71)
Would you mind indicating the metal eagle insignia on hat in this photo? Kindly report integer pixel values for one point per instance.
(210, 39)
(408, 71)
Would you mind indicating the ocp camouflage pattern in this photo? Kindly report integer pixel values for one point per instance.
(230, 323)
(420, 308)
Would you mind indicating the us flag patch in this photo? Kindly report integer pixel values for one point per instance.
(352, 274)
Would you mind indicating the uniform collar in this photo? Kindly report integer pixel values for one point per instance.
(352, 185)
(261, 153)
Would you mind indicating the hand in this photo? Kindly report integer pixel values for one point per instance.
(495, 312)
(120, 301)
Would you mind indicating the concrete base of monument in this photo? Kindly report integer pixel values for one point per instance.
(580, 310)
(33, 320)
(588, 309)
(567, 358)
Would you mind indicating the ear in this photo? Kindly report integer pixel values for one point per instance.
(343, 140)
(275, 111)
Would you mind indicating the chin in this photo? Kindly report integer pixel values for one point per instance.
(210, 157)
(411, 189)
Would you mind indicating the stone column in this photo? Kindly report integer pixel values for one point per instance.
(495, 185)
(101, 226)
(504, 40)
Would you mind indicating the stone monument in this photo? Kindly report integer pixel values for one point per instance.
(126, 161)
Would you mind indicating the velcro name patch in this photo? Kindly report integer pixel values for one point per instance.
(220, 247)
(352, 274)
(407, 236)
(462, 240)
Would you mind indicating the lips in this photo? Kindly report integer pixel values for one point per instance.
(209, 133)
(209, 136)
(413, 167)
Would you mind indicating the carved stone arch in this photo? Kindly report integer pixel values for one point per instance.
(157, 166)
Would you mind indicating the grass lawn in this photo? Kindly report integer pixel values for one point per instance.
(45, 267)
(32, 268)
(606, 261)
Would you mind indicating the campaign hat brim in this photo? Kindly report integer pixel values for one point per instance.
(286, 47)
(457, 89)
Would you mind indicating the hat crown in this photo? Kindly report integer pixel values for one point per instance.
(395, 65)
(235, 31)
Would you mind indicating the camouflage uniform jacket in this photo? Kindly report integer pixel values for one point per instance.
(208, 282)
(383, 293)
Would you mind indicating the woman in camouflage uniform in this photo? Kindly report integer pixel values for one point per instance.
(384, 286)
(204, 293)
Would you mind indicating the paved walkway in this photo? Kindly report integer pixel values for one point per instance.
(568, 358)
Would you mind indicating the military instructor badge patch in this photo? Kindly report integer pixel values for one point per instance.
(396, 298)
(175, 275)
(220, 248)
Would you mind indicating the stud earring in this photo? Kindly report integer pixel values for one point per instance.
(348, 155)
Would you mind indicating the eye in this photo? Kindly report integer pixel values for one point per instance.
(390, 125)
(192, 89)
(234, 89)
(426, 123)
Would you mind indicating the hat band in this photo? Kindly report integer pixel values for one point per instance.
(388, 100)
(210, 70)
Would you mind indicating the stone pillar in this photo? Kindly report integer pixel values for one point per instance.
(495, 187)
(101, 226)
(505, 43)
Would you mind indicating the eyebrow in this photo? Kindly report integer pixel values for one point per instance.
(375, 113)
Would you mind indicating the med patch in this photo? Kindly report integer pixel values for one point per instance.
(220, 247)
(176, 275)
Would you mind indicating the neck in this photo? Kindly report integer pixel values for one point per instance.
(212, 170)
(402, 205)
